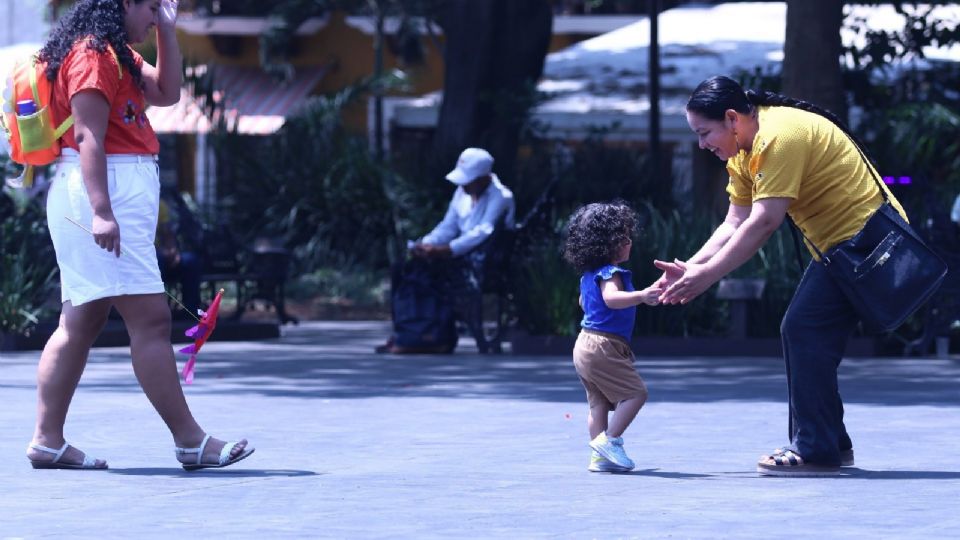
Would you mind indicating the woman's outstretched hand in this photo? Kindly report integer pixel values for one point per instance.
(671, 272)
(688, 281)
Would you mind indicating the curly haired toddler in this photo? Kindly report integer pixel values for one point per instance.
(599, 238)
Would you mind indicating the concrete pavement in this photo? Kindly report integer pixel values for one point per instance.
(352, 444)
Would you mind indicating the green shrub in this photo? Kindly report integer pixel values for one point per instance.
(28, 272)
(666, 236)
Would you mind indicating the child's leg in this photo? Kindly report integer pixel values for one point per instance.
(597, 420)
(625, 412)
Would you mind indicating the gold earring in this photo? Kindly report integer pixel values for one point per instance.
(736, 139)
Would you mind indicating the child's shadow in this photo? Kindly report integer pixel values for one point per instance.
(663, 474)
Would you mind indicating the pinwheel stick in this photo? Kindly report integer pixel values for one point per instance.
(141, 261)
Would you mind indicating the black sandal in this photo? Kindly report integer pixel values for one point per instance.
(786, 462)
(846, 456)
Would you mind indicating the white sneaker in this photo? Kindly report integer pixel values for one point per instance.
(611, 448)
(599, 463)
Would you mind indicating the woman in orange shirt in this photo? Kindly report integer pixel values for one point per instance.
(107, 181)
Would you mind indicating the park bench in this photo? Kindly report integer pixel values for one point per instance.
(258, 272)
(743, 294)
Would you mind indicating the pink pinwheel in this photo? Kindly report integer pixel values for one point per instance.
(200, 333)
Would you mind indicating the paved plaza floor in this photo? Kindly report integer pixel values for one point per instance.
(356, 445)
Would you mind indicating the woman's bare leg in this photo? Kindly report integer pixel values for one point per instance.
(148, 322)
(58, 373)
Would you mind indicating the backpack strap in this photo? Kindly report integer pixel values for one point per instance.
(33, 81)
(68, 121)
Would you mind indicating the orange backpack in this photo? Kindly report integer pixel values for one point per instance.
(33, 138)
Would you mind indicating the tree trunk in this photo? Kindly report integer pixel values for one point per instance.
(495, 50)
(811, 54)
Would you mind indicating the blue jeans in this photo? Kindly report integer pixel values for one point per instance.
(815, 330)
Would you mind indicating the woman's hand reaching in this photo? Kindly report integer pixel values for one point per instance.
(671, 272)
(694, 280)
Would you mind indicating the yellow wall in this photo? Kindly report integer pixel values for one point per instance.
(348, 51)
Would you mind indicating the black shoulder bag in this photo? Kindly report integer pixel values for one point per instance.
(885, 270)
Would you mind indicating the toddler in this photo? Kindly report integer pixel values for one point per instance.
(599, 237)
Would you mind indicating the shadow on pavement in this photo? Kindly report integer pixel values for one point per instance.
(336, 361)
(238, 473)
(901, 475)
(664, 474)
(294, 373)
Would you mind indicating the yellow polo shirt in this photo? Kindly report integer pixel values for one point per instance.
(803, 156)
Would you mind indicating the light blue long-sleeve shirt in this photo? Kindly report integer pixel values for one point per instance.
(466, 225)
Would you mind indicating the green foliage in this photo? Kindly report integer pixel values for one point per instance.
(346, 215)
(665, 236)
(883, 48)
(920, 140)
(349, 283)
(27, 264)
(546, 290)
(319, 189)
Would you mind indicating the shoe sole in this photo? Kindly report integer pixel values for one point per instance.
(599, 449)
(65, 466)
(607, 469)
(610, 471)
(197, 467)
(799, 471)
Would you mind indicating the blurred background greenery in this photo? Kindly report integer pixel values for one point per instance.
(345, 213)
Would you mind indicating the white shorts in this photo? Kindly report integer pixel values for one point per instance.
(87, 271)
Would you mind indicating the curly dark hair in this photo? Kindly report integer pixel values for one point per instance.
(100, 20)
(596, 231)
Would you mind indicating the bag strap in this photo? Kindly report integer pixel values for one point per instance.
(796, 242)
(68, 121)
(33, 80)
(872, 168)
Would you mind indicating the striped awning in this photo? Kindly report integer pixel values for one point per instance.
(254, 103)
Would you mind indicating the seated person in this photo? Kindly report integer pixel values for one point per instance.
(447, 256)
(178, 252)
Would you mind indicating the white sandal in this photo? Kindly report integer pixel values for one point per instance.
(223, 461)
(88, 462)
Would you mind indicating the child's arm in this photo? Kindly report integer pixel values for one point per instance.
(616, 298)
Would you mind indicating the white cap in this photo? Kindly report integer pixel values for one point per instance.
(473, 163)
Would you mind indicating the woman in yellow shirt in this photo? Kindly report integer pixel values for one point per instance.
(786, 156)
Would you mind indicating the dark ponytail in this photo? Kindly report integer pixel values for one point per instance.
(714, 96)
(761, 99)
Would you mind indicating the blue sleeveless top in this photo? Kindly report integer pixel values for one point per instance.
(596, 314)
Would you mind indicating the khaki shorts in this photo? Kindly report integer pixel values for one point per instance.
(604, 363)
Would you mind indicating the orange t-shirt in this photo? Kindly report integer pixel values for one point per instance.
(128, 130)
